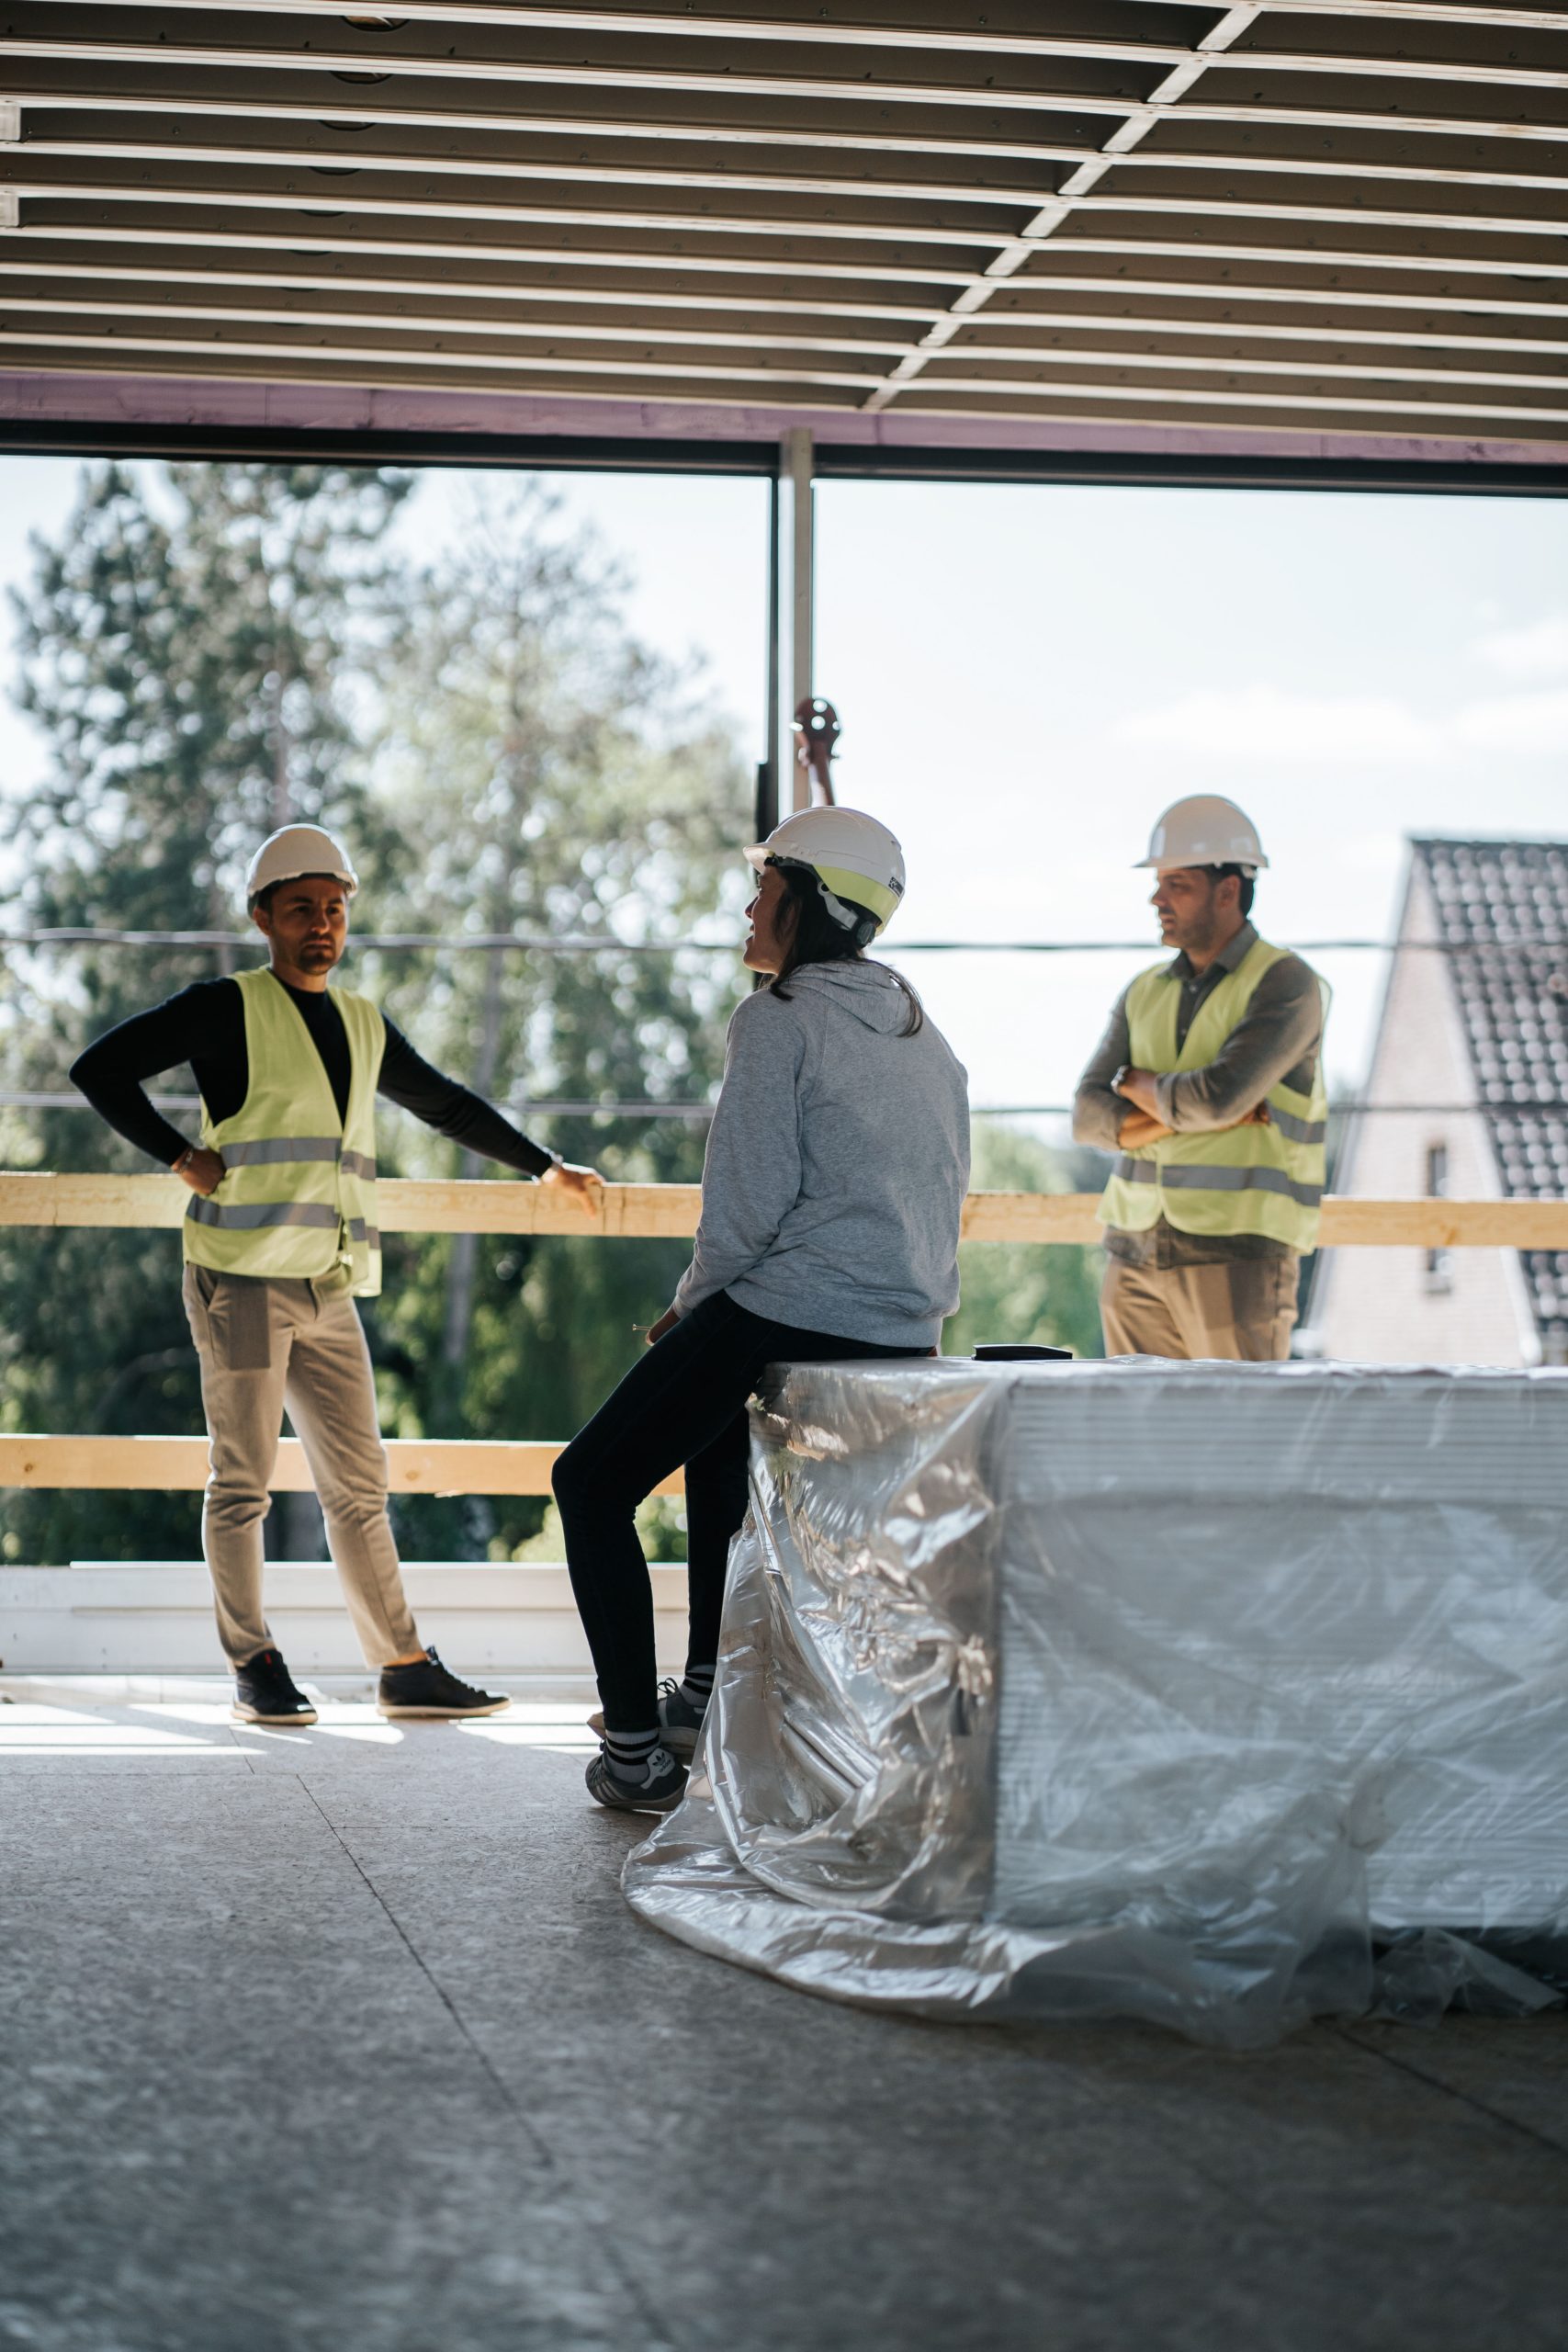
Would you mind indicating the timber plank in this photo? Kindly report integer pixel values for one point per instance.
(417, 1465)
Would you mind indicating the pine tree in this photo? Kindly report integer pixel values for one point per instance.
(549, 775)
(191, 648)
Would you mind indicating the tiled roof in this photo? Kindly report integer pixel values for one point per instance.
(1503, 906)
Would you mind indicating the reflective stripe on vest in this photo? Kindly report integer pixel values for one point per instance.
(274, 1149)
(1219, 1179)
(1261, 1180)
(297, 1197)
(248, 1216)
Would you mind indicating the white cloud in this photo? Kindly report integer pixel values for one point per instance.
(1264, 722)
(1538, 650)
(1523, 724)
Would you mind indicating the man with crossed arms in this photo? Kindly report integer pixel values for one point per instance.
(1208, 1084)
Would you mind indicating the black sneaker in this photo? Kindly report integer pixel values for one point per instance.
(680, 1722)
(656, 1785)
(265, 1692)
(424, 1688)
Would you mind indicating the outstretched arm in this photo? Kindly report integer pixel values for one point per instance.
(453, 1110)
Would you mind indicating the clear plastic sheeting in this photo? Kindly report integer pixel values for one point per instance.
(1216, 1695)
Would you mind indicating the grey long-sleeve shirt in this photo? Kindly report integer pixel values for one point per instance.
(1280, 1038)
(836, 1163)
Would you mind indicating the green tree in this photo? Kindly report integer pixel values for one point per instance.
(193, 648)
(213, 650)
(551, 776)
(1028, 1293)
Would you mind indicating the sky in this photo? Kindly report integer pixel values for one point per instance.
(1027, 675)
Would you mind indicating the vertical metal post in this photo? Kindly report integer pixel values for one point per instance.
(768, 766)
(803, 559)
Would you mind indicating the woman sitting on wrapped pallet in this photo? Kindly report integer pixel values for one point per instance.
(836, 1172)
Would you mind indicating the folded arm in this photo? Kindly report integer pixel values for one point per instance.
(1100, 1114)
(1282, 1028)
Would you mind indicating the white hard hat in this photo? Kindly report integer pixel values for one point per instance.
(854, 856)
(296, 850)
(1205, 831)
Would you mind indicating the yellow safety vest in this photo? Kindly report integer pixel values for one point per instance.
(1258, 1179)
(298, 1194)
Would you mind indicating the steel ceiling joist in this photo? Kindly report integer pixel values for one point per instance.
(1081, 98)
(558, 311)
(785, 25)
(1335, 215)
(842, 190)
(244, 105)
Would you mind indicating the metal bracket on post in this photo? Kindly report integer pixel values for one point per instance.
(797, 453)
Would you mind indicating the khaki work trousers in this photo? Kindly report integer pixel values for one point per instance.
(263, 1345)
(1243, 1309)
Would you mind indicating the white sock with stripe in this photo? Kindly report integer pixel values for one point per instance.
(629, 1751)
(696, 1687)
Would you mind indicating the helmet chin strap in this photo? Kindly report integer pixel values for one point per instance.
(845, 917)
(848, 918)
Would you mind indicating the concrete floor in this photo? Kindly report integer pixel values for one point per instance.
(346, 2039)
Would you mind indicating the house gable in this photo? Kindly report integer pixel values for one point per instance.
(1416, 1306)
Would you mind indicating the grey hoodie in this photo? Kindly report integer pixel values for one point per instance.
(837, 1164)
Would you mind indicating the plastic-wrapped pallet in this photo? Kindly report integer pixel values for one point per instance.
(1218, 1695)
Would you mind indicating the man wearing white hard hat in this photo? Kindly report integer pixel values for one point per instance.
(1208, 1085)
(280, 1235)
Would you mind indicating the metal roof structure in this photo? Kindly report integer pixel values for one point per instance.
(1313, 229)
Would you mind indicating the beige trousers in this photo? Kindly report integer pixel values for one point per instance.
(263, 1345)
(1243, 1310)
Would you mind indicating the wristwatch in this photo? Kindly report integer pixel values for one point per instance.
(184, 1161)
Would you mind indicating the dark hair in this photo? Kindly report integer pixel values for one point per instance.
(1249, 884)
(815, 938)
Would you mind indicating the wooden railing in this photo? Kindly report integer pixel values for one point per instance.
(657, 1211)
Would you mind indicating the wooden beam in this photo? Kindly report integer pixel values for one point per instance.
(982, 95)
(215, 196)
(1032, 1217)
(673, 335)
(395, 245)
(711, 218)
(995, 46)
(405, 1205)
(1445, 1225)
(669, 1212)
(242, 103)
(477, 370)
(178, 1464)
(575, 309)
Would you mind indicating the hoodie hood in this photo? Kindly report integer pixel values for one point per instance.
(867, 992)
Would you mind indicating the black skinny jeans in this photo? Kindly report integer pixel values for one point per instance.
(683, 1403)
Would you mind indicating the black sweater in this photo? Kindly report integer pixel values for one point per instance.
(204, 1025)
